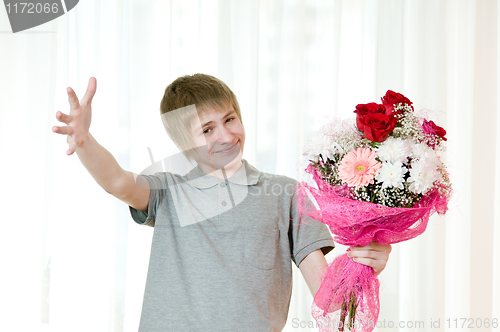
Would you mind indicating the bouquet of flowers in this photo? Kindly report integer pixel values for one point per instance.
(379, 179)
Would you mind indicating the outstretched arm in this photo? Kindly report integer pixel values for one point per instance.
(97, 160)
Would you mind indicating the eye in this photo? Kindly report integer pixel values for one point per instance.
(207, 131)
(229, 119)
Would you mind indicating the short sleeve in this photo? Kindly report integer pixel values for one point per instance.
(307, 234)
(157, 194)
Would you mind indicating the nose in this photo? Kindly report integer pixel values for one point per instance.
(225, 136)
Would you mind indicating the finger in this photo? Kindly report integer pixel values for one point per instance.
(64, 118)
(366, 261)
(365, 254)
(71, 149)
(380, 247)
(377, 266)
(62, 130)
(72, 99)
(91, 88)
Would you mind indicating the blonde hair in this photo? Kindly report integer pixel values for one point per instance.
(184, 98)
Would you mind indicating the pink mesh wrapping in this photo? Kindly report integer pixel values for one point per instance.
(345, 279)
(358, 223)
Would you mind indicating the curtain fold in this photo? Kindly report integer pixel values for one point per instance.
(71, 256)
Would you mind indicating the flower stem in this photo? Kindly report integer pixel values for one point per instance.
(353, 305)
(348, 310)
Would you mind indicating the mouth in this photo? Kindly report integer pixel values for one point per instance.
(228, 150)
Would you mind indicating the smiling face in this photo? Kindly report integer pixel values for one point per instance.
(219, 138)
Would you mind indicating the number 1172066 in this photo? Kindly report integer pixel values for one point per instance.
(471, 323)
(31, 8)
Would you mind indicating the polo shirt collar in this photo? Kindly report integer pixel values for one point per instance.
(246, 175)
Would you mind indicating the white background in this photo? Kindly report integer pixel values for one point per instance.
(71, 257)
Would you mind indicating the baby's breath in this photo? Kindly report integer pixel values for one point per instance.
(408, 124)
(328, 169)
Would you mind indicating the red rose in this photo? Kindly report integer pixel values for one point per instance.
(377, 126)
(430, 128)
(364, 109)
(391, 98)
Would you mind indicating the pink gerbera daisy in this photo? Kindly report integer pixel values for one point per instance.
(358, 167)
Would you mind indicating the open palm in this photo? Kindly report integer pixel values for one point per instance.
(79, 118)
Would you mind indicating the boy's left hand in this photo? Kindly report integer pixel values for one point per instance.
(374, 254)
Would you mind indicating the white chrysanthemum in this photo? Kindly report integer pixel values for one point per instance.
(422, 176)
(394, 150)
(424, 153)
(329, 128)
(321, 144)
(335, 137)
(391, 175)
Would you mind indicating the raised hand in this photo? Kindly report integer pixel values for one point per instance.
(79, 118)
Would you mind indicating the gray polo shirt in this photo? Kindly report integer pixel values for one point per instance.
(222, 251)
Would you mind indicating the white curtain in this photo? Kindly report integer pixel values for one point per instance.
(73, 260)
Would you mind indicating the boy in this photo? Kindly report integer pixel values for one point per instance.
(224, 236)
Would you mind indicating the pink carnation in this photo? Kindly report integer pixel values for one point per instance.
(358, 167)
